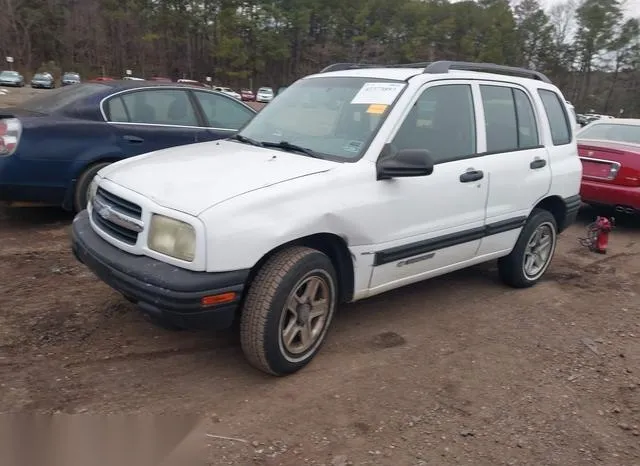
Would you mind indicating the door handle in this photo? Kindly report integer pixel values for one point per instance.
(537, 164)
(471, 175)
(133, 139)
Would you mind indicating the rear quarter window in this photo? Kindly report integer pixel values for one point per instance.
(557, 117)
(612, 132)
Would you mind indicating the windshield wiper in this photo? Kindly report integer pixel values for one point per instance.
(286, 145)
(246, 140)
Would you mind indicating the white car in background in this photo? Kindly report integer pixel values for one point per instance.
(228, 91)
(264, 95)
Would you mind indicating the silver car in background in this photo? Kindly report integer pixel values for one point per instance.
(70, 78)
(11, 78)
(43, 80)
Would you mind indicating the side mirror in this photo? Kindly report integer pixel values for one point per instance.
(403, 163)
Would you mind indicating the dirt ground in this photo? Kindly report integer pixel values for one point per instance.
(456, 370)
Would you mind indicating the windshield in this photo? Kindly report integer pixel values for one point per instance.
(58, 99)
(9, 73)
(336, 117)
(41, 76)
(265, 89)
(612, 132)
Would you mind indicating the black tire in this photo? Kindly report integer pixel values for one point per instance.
(264, 315)
(82, 185)
(512, 267)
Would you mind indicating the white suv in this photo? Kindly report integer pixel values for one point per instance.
(355, 181)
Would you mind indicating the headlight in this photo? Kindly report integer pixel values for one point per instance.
(172, 237)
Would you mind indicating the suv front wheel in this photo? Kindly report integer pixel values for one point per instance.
(532, 254)
(288, 310)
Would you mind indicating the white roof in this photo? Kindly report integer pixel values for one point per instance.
(402, 74)
(618, 121)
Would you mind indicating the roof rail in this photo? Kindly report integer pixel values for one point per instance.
(355, 66)
(444, 67)
(346, 66)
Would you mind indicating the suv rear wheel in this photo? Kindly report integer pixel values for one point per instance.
(532, 253)
(288, 310)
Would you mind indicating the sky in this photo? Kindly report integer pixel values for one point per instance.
(632, 6)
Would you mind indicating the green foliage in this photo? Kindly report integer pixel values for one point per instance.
(260, 42)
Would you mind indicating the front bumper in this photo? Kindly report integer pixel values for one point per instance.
(170, 293)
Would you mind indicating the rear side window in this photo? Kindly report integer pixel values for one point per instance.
(157, 106)
(509, 119)
(116, 111)
(556, 116)
(612, 132)
(500, 118)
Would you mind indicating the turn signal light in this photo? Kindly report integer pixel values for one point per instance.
(217, 299)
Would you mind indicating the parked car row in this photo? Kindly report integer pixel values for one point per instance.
(43, 80)
(585, 118)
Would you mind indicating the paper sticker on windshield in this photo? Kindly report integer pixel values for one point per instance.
(377, 109)
(353, 146)
(378, 93)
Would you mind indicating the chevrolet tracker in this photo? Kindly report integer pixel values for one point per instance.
(352, 182)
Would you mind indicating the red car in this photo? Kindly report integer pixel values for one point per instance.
(610, 153)
(247, 95)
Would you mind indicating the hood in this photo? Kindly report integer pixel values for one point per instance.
(195, 177)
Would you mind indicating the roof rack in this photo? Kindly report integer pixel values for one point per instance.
(444, 67)
(355, 66)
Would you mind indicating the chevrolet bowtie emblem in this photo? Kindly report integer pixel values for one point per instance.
(112, 215)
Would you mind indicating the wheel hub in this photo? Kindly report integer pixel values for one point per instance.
(305, 315)
(304, 310)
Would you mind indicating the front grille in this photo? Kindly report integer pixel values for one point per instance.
(120, 206)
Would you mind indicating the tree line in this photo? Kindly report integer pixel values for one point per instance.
(588, 47)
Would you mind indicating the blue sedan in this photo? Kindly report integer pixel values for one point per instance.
(52, 145)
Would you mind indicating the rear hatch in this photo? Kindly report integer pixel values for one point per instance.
(610, 162)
